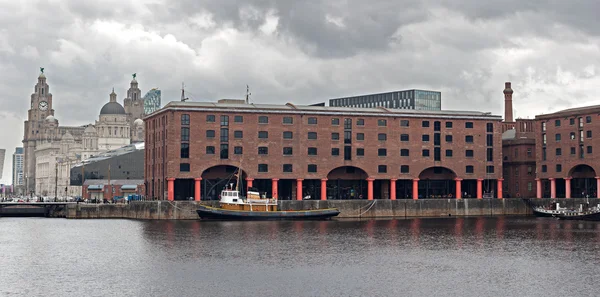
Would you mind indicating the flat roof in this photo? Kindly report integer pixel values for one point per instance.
(290, 108)
(383, 93)
(570, 112)
(113, 153)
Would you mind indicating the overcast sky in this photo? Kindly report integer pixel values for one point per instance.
(296, 51)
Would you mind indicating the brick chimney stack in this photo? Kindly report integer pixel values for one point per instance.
(508, 107)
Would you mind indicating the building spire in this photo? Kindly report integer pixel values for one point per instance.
(183, 98)
(113, 96)
(248, 94)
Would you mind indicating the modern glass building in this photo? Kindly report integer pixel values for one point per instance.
(151, 101)
(408, 99)
(17, 167)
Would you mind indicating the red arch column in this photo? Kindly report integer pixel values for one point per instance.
(274, 193)
(500, 180)
(597, 186)
(538, 187)
(393, 189)
(299, 189)
(370, 188)
(323, 189)
(458, 188)
(197, 189)
(552, 187)
(479, 188)
(170, 189)
(415, 189)
(568, 187)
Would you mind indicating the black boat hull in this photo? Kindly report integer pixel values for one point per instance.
(542, 214)
(581, 217)
(213, 213)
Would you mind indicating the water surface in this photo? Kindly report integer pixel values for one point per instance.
(502, 256)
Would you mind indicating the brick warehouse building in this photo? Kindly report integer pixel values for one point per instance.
(518, 151)
(318, 152)
(567, 145)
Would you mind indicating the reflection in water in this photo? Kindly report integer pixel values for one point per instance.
(415, 228)
(500, 225)
(479, 230)
(300, 258)
(458, 231)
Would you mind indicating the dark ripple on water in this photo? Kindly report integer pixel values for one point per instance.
(503, 256)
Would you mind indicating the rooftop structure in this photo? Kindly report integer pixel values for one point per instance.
(407, 99)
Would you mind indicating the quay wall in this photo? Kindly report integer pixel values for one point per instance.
(186, 210)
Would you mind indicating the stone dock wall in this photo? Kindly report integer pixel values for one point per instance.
(186, 210)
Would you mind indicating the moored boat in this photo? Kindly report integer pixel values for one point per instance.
(254, 206)
(547, 211)
(584, 212)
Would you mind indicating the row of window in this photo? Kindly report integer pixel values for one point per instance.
(558, 168)
(313, 135)
(558, 151)
(185, 121)
(557, 123)
(312, 168)
(312, 151)
(572, 135)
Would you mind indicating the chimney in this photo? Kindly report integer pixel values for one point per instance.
(508, 107)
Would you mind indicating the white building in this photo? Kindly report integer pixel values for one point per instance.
(112, 130)
(112, 126)
(53, 164)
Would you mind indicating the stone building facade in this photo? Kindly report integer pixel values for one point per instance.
(134, 110)
(52, 159)
(112, 127)
(43, 136)
(316, 152)
(40, 129)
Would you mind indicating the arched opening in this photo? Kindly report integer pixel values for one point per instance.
(583, 182)
(347, 182)
(437, 182)
(216, 178)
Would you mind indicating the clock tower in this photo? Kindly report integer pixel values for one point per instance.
(40, 108)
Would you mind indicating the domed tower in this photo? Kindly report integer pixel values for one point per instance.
(40, 108)
(138, 126)
(134, 105)
(50, 129)
(66, 142)
(112, 126)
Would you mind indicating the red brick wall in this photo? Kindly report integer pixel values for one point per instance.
(250, 159)
(516, 165)
(567, 160)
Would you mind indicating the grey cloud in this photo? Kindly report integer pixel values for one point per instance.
(579, 14)
(467, 49)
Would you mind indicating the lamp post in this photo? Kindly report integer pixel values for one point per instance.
(56, 182)
(26, 184)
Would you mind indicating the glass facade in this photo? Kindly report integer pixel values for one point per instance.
(408, 99)
(152, 101)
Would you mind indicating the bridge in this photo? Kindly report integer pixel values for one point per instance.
(34, 209)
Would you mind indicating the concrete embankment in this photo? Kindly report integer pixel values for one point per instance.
(186, 210)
